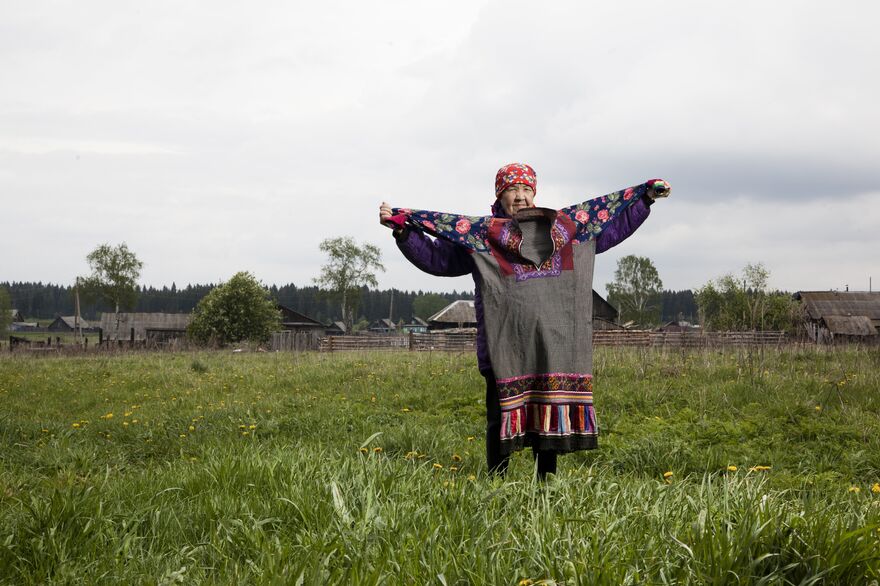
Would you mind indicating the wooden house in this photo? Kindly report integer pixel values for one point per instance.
(68, 324)
(841, 316)
(383, 326)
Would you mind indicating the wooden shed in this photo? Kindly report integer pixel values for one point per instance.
(149, 328)
(300, 332)
(841, 316)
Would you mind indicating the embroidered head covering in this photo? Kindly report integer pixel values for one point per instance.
(512, 174)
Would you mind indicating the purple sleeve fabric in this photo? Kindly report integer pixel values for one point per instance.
(435, 256)
(623, 225)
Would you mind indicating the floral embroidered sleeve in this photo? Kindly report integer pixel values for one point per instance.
(593, 216)
(468, 231)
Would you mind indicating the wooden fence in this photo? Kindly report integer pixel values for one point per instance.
(459, 342)
(295, 340)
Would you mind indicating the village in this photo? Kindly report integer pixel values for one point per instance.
(829, 317)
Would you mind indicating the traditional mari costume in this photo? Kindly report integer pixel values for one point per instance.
(534, 273)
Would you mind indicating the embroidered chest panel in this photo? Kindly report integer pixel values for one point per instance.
(505, 239)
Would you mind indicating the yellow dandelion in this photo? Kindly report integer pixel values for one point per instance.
(818, 408)
(45, 430)
(252, 426)
(456, 458)
(183, 435)
(667, 474)
(127, 414)
(193, 459)
(437, 466)
(192, 427)
(405, 410)
(876, 488)
(125, 424)
(854, 489)
(525, 582)
(759, 468)
(373, 399)
(75, 425)
(242, 426)
(245, 433)
(135, 420)
(377, 450)
(107, 416)
(363, 450)
(731, 468)
(453, 468)
(471, 477)
(470, 438)
(410, 455)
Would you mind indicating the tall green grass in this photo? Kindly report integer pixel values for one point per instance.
(369, 468)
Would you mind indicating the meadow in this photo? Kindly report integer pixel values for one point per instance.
(715, 467)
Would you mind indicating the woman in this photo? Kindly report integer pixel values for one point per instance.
(533, 273)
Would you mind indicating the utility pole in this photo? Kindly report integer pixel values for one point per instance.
(77, 328)
(391, 308)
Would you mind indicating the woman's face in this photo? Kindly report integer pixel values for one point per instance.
(517, 197)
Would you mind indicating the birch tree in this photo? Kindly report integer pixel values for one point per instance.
(636, 290)
(349, 267)
(115, 271)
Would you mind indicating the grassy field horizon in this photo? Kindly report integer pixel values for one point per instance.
(739, 466)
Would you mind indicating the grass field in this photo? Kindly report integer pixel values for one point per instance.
(714, 468)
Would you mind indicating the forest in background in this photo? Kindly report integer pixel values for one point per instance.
(47, 301)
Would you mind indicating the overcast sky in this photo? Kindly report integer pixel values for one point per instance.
(214, 137)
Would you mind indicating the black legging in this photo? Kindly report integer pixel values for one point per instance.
(497, 462)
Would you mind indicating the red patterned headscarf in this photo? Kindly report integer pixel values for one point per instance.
(512, 174)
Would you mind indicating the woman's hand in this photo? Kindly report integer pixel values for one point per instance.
(384, 214)
(658, 188)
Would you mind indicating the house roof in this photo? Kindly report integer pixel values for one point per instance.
(821, 304)
(457, 312)
(70, 321)
(850, 325)
(603, 309)
(290, 317)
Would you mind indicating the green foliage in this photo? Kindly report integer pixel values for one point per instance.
(5, 309)
(636, 291)
(115, 271)
(349, 268)
(744, 303)
(427, 305)
(249, 471)
(238, 310)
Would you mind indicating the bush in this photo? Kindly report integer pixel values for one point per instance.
(238, 310)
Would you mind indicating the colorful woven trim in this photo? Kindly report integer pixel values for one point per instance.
(551, 382)
(553, 410)
(548, 421)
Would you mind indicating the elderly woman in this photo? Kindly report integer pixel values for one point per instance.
(533, 273)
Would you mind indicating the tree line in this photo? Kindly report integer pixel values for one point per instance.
(37, 300)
